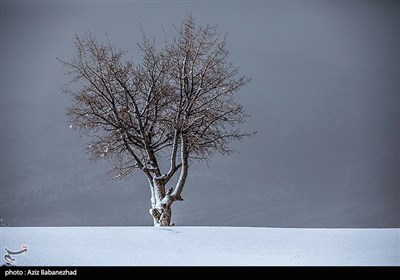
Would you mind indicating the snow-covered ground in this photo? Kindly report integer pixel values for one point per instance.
(179, 246)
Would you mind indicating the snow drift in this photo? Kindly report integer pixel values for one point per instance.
(209, 246)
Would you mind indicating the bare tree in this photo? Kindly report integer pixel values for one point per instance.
(176, 103)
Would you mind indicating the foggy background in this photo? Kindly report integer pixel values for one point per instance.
(324, 99)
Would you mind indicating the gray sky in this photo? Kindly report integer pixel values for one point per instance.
(324, 99)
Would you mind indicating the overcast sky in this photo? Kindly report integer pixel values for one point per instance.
(324, 99)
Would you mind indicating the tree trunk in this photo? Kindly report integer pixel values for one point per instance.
(161, 216)
(161, 209)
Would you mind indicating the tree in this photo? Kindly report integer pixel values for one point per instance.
(176, 102)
